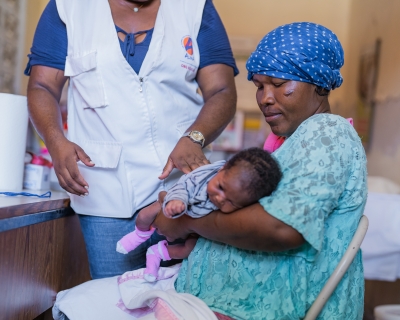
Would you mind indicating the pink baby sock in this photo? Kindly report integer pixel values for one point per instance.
(154, 255)
(133, 240)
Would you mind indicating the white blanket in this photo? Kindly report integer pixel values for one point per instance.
(381, 245)
(130, 297)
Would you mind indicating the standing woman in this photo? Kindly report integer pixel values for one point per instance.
(271, 259)
(151, 83)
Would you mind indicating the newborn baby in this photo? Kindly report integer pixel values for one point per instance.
(248, 176)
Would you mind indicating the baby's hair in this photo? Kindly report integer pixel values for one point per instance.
(262, 171)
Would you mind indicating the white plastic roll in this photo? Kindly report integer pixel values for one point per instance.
(13, 131)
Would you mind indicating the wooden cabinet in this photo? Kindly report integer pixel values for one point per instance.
(41, 252)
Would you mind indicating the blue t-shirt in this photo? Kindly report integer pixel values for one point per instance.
(50, 48)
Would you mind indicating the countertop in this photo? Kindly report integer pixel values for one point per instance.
(22, 205)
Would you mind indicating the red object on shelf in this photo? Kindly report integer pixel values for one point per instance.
(39, 160)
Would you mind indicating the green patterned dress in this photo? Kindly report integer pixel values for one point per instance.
(322, 195)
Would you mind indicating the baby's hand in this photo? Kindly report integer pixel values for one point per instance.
(173, 208)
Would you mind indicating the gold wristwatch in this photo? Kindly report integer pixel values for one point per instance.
(195, 136)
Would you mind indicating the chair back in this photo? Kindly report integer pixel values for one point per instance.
(339, 271)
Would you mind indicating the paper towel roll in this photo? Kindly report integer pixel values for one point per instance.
(13, 131)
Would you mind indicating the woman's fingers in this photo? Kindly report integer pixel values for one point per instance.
(75, 179)
(84, 157)
(186, 157)
(68, 183)
(70, 178)
(167, 169)
(65, 165)
(191, 155)
(63, 184)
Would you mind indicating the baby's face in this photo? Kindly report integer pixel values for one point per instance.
(226, 192)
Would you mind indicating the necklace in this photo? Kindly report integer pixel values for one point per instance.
(136, 9)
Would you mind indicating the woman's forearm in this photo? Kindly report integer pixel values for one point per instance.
(217, 85)
(251, 228)
(44, 92)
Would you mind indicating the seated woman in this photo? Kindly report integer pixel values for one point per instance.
(271, 259)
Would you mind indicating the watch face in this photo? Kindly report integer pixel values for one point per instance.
(197, 135)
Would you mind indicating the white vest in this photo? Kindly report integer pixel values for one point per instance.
(128, 123)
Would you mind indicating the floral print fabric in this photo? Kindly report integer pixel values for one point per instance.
(322, 195)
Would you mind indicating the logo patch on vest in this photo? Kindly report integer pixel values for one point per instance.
(187, 44)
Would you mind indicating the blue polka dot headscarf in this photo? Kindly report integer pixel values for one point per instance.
(301, 51)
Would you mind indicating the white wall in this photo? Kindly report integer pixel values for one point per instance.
(248, 21)
(357, 23)
(372, 19)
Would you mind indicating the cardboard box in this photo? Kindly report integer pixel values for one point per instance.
(36, 177)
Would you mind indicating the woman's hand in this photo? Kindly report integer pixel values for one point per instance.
(186, 156)
(65, 155)
(172, 229)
